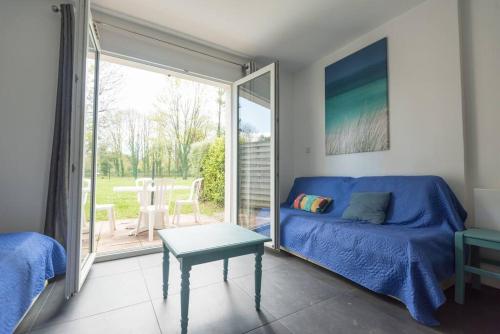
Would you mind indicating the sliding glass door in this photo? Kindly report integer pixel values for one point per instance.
(255, 158)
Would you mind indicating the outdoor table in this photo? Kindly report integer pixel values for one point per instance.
(138, 189)
(201, 244)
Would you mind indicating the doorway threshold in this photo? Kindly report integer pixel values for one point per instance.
(111, 256)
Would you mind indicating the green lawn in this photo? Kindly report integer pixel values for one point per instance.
(126, 205)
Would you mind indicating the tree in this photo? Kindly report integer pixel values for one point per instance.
(179, 111)
(221, 102)
(145, 145)
(111, 80)
(112, 138)
(105, 166)
(109, 118)
(133, 140)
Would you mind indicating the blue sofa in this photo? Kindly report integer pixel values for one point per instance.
(406, 257)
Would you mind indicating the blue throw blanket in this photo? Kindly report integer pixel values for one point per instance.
(407, 257)
(27, 260)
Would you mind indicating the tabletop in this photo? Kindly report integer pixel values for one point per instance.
(194, 240)
(483, 234)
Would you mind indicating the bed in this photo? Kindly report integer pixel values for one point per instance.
(27, 261)
(407, 257)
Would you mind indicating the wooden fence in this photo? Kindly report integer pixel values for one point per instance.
(255, 175)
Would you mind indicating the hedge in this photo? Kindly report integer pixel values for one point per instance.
(212, 171)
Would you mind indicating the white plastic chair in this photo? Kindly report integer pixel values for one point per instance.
(110, 208)
(193, 200)
(140, 182)
(163, 189)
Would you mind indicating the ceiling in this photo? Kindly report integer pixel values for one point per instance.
(295, 32)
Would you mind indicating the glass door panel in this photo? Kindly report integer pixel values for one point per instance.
(89, 145)
(256, 155)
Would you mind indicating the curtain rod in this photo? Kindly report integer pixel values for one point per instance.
(244, 66)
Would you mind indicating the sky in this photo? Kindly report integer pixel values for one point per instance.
(255, 116)
(140, 89)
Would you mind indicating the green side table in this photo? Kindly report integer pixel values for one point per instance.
(200, 244)
(473, 237)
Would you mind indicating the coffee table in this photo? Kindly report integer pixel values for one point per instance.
(201, 244)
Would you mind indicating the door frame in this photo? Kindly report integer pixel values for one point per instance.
(273, 69)
(75, 272)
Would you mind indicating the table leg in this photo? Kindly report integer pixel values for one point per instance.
(184, 297)
(459, 267)
(151, 224)
(258, 275)
(166, 267)
(226, 262)
(476, 262)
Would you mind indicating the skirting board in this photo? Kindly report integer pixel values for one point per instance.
(31, 305)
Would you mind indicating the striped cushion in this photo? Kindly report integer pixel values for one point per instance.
(311, 203)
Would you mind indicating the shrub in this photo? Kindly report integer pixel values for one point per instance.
(198, 152)
(212, 171)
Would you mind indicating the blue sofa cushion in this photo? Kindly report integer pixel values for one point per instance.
(369, 207)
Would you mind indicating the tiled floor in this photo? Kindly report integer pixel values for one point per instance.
(125, 296)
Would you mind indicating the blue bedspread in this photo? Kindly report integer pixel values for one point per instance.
(407, 257)
(27, 260)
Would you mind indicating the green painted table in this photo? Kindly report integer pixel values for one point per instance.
(473, 237)
(201, 244)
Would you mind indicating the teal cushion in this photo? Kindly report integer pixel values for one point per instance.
(370, 207)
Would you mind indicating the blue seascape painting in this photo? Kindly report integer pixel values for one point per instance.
(356, 102)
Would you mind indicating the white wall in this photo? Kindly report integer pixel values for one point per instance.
(29, 36)
(29, 40)
(425, 106)
(480, 27)
(286, 136)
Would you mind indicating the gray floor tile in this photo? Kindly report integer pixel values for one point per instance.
(97, 295)
(479, 314)
(346, 313)
(381, 303)
(245, 265)
(114, 267)
(139, 318)
(325, 275)
(201, 275)
(272, 328)
(307, 298)
(286, 291)
(218, 308)
(152, 260)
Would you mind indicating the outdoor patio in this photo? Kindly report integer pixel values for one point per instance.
(120, 240)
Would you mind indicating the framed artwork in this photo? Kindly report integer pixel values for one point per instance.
(356, 102)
